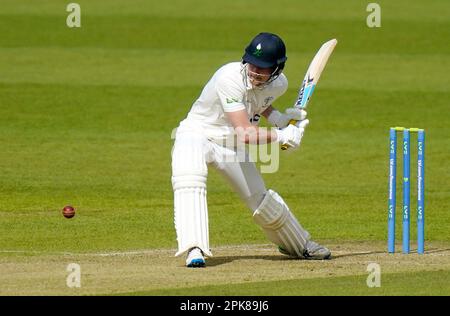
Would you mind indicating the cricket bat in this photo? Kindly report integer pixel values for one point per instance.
(312, 77)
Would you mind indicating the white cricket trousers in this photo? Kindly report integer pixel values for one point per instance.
(191, 155)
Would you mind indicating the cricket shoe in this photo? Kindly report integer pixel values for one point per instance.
(313, 251)
(195, 258)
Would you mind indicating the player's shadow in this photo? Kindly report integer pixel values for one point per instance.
(355, 254)
(217, 261)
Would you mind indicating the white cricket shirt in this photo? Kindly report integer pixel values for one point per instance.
(227, 91)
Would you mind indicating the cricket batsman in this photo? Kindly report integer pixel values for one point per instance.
(229, 107)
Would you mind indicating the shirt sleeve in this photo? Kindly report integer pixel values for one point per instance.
(281, 88)
(230, 94)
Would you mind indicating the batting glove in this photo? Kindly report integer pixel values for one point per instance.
(292, 134)
(282, 120)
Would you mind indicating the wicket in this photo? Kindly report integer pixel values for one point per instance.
(406, 188)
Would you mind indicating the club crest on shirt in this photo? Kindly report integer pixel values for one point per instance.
(267, 101)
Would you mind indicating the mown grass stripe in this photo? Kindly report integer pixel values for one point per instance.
(431, 283)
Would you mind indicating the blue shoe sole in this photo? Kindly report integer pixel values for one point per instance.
(196, 263)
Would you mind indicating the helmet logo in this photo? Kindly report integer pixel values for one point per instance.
(258, 51)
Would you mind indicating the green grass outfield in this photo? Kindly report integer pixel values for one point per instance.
(86, 117)
(433, 283)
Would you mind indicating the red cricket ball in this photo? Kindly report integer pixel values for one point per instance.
(68, 211)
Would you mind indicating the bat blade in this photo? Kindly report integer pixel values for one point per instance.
(313, 74)
(312, 77)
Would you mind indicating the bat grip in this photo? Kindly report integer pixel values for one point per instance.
(286, 146)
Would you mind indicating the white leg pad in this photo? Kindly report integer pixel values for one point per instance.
(280, 225)
(191, 220)
(189, 174)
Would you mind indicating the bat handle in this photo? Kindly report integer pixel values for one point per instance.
(286, 146)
